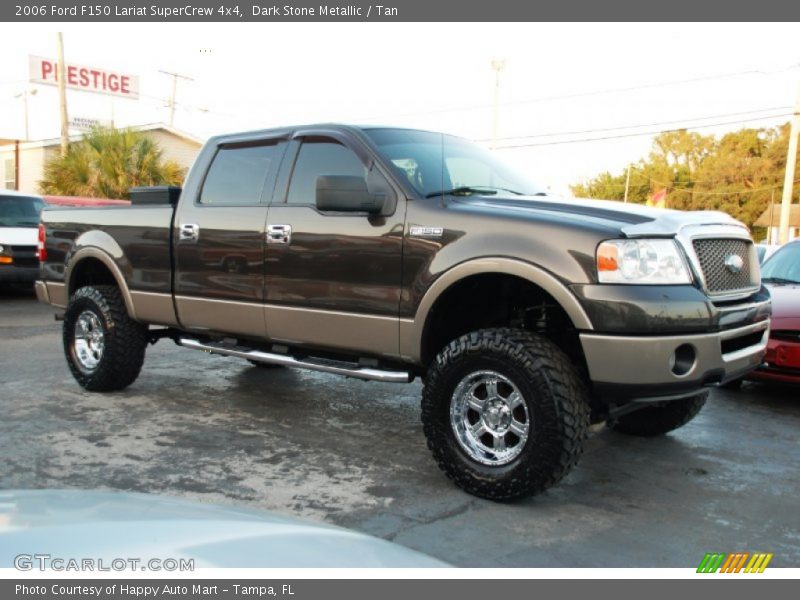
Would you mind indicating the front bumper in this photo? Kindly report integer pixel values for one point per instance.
(781, 363)
(626, 368)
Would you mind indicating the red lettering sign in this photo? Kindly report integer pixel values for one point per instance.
(83, 78)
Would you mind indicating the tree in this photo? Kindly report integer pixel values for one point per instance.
(107, 163)
(737, 173)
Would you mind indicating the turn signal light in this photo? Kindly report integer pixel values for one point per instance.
(41, 251)
(607, 255)
(6, 260)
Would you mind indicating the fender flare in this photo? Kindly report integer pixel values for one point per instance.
(105, 258)
(412, 331)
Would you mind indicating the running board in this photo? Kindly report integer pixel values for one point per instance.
(337, 368)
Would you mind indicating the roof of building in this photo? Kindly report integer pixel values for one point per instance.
(75, 138)
(772, 215)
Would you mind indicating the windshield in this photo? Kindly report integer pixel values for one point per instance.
(435, 163)
(20, 211)
(783, 266)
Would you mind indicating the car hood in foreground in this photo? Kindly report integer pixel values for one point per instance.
(107, 525)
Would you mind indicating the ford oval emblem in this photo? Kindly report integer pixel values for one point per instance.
(734, 263)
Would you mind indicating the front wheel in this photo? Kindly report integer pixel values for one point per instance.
(505, 413)
(658, 420)
(103, 345)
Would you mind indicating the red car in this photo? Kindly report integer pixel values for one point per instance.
(781, 274)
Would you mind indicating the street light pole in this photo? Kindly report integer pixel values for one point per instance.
(788, 181)
(498, 65)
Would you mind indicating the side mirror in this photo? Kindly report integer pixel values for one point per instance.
(346, 193)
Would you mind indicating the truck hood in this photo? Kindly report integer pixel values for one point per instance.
(633, 220)
(19, 236)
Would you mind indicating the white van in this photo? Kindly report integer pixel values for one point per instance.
(19, 230)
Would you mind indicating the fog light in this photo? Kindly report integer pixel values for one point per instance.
(682, 360)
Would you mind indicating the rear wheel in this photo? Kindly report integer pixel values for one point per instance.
(658, 420)
(103, 345)
(505, 413)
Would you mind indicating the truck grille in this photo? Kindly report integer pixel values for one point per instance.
(720, 279)
(25, 256)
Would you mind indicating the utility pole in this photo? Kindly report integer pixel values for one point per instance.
(24, 95)
(61, 72)
(627, 182)
(171, 102)
(498, 65)
(788, 181)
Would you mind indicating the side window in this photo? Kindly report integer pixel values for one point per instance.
(320, 156)
(238, 173)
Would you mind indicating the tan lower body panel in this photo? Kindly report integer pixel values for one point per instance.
(57, 292)
(224, 316)
(154, 308)
(354, 332)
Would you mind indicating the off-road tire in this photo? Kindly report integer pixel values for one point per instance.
(125, 340)
(658, 420)
(554, 393)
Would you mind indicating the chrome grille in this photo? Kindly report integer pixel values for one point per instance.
(712, 255)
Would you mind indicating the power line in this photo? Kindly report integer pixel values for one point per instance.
(642, 133)
(601, 92)
(622, 127)
(673, 190)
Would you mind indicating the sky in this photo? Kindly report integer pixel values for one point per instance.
(561, 84)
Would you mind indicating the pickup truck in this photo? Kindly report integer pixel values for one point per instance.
(388, 254)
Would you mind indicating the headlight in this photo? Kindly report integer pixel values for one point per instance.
(648, 262)
(2, 249)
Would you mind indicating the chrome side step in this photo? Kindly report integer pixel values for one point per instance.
(337, 368)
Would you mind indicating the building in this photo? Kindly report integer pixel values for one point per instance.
(770, 219)
(22, 163)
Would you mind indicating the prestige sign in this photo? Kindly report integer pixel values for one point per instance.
(85, 79)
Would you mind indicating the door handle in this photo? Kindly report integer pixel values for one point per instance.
(279, 234)
(189, 232)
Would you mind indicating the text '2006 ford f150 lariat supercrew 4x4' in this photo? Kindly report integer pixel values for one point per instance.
(387, 254)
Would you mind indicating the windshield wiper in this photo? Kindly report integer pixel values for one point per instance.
(778, 280)
(468, 190)
(30, 223)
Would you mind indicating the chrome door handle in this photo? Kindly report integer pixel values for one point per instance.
(279, 234)
(189, 232)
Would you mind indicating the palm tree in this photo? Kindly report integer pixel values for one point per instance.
(107, 163)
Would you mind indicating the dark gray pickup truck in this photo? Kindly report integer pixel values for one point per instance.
(389, 254)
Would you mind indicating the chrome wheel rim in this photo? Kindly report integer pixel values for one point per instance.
(89, 340)
(489, 417)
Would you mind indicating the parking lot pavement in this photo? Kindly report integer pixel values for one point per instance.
(352, 453)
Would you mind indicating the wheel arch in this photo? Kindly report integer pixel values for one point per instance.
(90, 264)
(413, 332)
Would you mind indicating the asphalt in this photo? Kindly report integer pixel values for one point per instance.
(352, 453)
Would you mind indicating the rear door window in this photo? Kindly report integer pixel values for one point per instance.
(241, 175)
